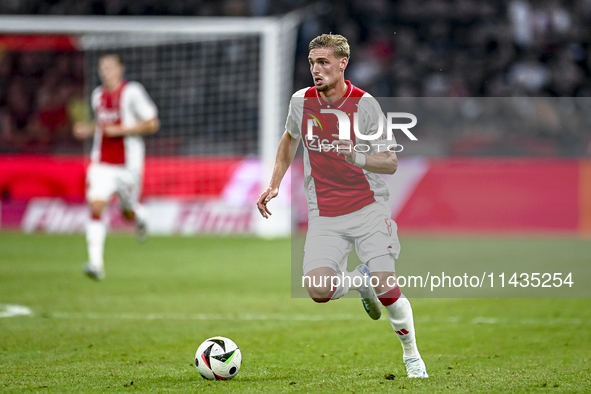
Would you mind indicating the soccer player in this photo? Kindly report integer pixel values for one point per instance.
(123, 113)
(346, 195)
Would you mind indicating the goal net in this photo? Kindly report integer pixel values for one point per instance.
(222, 87)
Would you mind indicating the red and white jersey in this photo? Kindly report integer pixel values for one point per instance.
(333, 186)
(127, 105)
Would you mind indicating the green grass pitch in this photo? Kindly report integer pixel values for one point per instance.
(138, 330)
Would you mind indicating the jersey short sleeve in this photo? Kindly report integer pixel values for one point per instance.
(141, 103)
(295, 113)
(373, 122)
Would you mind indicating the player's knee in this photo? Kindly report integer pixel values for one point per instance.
(319, 294)
(97, 208)
(319, 283)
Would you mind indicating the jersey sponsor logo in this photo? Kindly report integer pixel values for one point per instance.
(318, 145)
(108, 116)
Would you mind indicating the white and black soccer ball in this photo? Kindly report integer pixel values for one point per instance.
(218, 358)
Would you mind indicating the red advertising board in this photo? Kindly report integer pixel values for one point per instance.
(495, 195)
(456, 195)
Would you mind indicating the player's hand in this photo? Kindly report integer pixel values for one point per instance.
(114, 130)
(344, 148)
(264, 198)
(82, 130)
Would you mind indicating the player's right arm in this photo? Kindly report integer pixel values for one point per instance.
(286, 151)
(83, 130)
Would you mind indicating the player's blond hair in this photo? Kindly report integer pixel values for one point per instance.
(338, 43)
(112, 55)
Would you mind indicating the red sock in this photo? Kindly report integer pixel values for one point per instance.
(390, 297)
(327, 298)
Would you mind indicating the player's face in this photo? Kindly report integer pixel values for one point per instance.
(326, 69)
(110, 72)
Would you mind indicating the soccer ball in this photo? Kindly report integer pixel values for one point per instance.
(218, 358)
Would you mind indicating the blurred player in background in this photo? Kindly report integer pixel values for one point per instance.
(123, 113)
(346, 195)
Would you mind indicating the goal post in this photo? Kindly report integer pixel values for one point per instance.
(222, 84)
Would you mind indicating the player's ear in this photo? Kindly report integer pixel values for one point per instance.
(344, 62)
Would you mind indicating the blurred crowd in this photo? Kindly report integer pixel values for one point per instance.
(41, 95)
(463, 47)
(404, 48)
(496, 126)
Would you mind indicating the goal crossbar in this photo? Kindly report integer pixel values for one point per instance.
(41, 24)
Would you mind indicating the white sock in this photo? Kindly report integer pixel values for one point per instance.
(96, 231)
(355, 280)
(400, 315)
(343, 286)
(347, 282)
(141, 215)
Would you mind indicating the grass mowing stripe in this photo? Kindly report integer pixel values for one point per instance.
(164, 316)
(288, 317)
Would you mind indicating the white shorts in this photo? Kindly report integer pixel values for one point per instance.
(371, 230)
(104, 180)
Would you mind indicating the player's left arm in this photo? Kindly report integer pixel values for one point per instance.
(149, 126)
(144, 109)
(382, 162)
(378, 159)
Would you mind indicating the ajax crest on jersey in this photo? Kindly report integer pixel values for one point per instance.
(218, 358)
